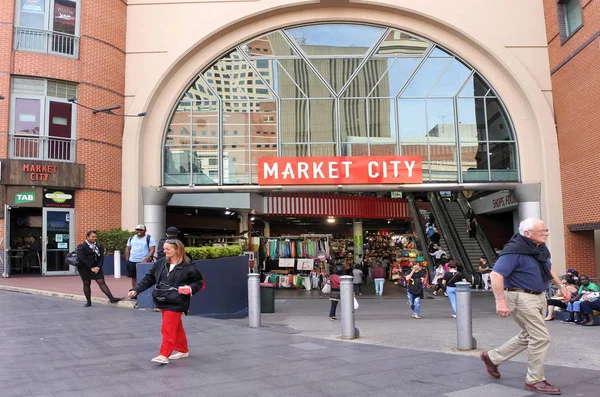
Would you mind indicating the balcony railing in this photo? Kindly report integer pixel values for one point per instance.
(36, 40)
(42, 148)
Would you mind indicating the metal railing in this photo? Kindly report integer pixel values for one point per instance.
(482, 238)
(42, 148)
(45, 41)
(417, 225)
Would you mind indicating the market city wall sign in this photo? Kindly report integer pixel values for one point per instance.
(43, 173)
(357, 170)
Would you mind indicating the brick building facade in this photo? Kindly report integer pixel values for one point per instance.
(574, 49)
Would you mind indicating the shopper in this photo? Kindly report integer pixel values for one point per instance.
(357, 280)
(485, 268)
(140, 248)
(172, 233)
(450, 279)
(334, 297)
(574, 305)
(438, 279)
(175, 279)
(414, 289)
(379, 278)
(91, 258)
(557, 299)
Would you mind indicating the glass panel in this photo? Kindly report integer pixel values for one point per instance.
(322, 120)
(205, 164)
(65, 13)
(32, 14)
(397, 76)
(57, 224)
(413, 120)
(439, 53)
(200, 91)
(272, 44)
(498, 126)
(353, 120)
(418, 148)
(443, 161)
(27, 116)
(400, 43)
(59, 131)
(475, 87)
(440, 120)
(474, 159)
(205, 123)
(335, 39)
(263, 124)
(382, 127)
(260, 151)
(573, 15)
(336, 71)
(367, 79)
(236, 164)
(177, 164)
(322, 150)
(452, 80)
(503, 161)
(307, 83)
(471, 120)
(294, 121)
(294, 150)
(426, 77)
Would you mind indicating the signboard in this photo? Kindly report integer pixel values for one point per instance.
(305, 264)
(43, 173)
(286, 262)
(59, 198)
(496, 202)
(33, 6)
(340, 170)
(23, 196)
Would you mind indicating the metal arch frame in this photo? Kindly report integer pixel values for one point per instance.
(336, 97)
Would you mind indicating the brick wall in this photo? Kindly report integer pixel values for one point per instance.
(100, 75)
(576, 89)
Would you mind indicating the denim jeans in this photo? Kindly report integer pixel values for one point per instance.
(415, 301)
(379, 286)
(358, 287)
(451, 291)
(333, 308)
(574, 307)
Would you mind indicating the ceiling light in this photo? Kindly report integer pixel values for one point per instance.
(331, 220)
(227, 212)
(253, 218)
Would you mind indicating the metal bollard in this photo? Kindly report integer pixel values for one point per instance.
(347, 304)
(117, 263)
(254, 300)
(464, 318)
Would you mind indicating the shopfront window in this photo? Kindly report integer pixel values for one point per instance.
(50, 26)
(339, 90)
(42, 120)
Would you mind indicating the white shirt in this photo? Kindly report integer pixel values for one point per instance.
(438, 254)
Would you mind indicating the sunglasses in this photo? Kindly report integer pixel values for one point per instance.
(172, 241)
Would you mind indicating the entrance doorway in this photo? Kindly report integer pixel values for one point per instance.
(38, 240)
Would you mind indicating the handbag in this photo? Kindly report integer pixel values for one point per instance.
(326, 289)
(165, 293)
(72, 259)
(355, 303)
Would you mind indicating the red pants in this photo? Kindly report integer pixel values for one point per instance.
(172, 333)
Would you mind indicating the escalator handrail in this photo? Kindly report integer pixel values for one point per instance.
(452, 237)
(418, 227)
(482, 239)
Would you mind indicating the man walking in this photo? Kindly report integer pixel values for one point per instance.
(379, 277)
(357, 280)
(485, 270)
(140, 248)
(519, 281)
(172, 233)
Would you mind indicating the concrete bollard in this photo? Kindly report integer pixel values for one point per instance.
(254, 300)
(464, 317)
(347, 304)
(117, 263)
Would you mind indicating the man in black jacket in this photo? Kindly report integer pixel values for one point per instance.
(172, 233)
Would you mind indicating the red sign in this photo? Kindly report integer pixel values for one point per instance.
(339, 170)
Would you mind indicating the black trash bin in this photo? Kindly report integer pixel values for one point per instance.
(267, 298)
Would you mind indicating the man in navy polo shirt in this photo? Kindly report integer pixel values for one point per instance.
(520, 279)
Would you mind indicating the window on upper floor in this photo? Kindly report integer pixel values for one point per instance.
(48, 26)
(570, 17)
(42, 121)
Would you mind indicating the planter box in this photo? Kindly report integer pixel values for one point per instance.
(109, 266)
(226, 293)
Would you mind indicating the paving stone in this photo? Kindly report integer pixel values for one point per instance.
(490, 390)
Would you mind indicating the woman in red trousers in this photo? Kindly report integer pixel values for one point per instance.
(175, 279)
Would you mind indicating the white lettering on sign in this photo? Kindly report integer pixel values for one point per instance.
(372, 173)
(333, 169)
(409, 167)
(317, 170)
(504, 201)
(28, 197)
(303, 170)
(347, 165)
(272, 171)
(288, 172)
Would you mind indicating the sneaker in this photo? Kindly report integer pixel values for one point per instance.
(160, 360)
(360, 293)
(332, 318)
(178, 355)
(445, 294)
(454, 316)
(416, 316)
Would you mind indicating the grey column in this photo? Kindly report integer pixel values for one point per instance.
(357, 229)
(464, 317)
(254, 300)
(528, 196)
(347, 307)
(155, 210)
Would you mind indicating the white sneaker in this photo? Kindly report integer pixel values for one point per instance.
(160, 360)
(178, 355)
(453, 316)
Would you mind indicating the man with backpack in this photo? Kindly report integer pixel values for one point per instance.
(172, 233)
(140, 248)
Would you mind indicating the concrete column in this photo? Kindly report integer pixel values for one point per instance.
(358, 242)
(254, 308)
(528, 196)
(515, 215)
(243, 225)
(155, 210)
(267, 229)
(347, 307)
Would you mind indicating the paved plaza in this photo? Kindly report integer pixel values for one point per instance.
(55, 347)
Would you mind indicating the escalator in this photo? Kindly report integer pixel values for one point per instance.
(418, 227)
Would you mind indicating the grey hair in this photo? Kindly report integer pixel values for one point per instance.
(527, 224)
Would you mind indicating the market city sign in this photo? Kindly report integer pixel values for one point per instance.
(351, 170)
(39, 172)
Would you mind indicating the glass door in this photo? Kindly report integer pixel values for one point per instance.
(57, 241)
(6, 242)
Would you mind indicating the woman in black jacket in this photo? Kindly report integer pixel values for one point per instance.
(91, 258)
(175, 279)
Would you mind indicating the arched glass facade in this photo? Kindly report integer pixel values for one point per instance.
(338, 90)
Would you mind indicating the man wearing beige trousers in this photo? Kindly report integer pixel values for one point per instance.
(519, 280)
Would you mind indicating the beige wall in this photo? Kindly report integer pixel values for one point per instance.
(169, 42)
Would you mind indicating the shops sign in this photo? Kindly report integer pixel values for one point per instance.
(59, 198)
(25, 197)
(340, 170)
